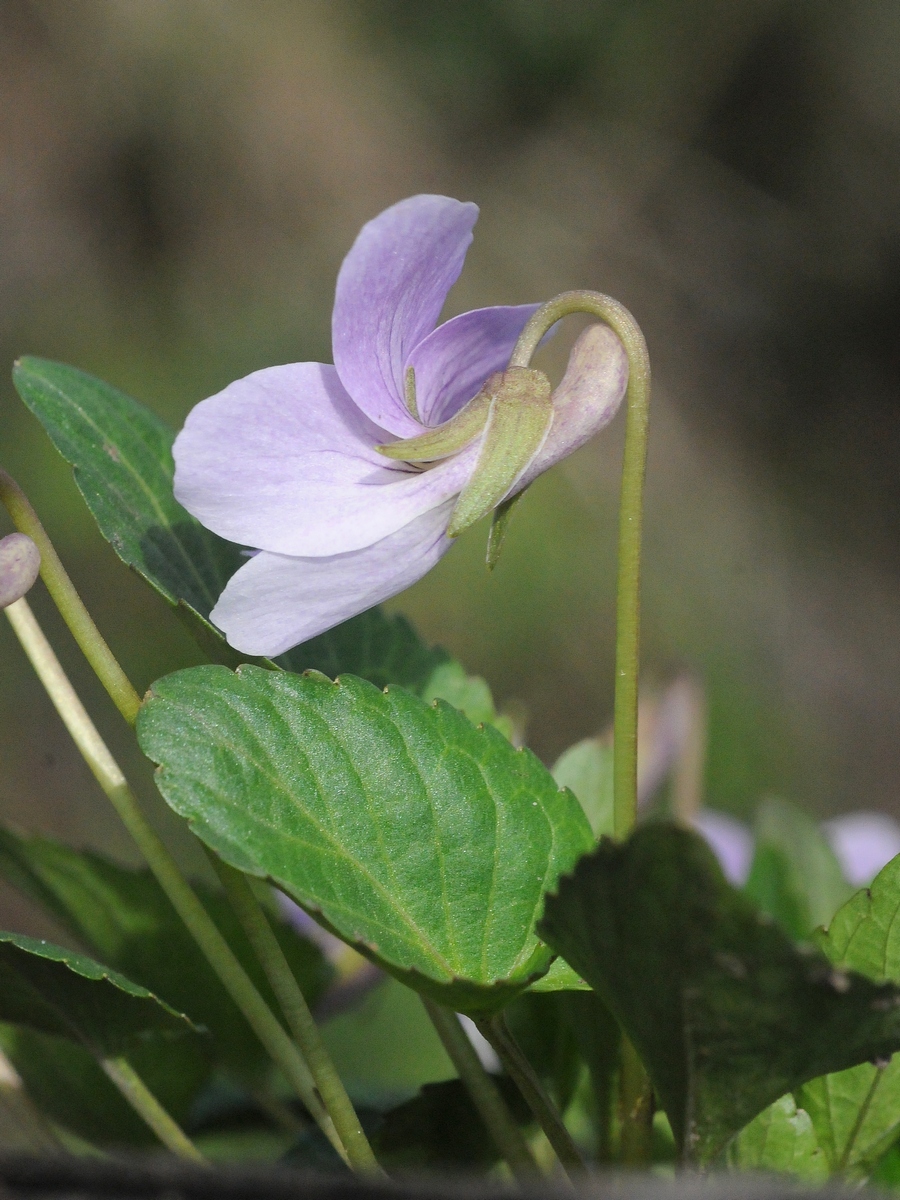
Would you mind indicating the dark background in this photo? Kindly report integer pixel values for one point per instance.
(179, 183)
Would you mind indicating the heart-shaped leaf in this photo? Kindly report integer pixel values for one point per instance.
(53, 990)
(781, 1139)
(726, 1012)
(123, 916)
(795, 876)
(587, 769)
(856, 1113)
(121, 453)
(421, 839)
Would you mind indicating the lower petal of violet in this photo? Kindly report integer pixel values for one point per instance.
(276, 601)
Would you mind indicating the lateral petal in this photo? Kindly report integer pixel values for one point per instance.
(390, 291)
(284, 461)
(454, 360)
(277, 601)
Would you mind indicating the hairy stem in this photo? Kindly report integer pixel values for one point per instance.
(522, 1074)
(483, 1092)
(148, 1108)
(182, 896)
(300, 1020)
(71, 607)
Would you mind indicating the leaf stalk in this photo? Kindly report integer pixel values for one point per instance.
(180, 893)
(299, 1018)
(484, 1093)
(123, 1075)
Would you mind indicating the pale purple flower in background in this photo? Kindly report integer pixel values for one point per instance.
(20, 564)
(285, 460)
(863, 843)
(731, 842)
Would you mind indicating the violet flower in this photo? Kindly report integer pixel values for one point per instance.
(20, 564)
(286, 461)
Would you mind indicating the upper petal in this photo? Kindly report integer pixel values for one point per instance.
(455, 359)
(283, 460)
(390, 291)
(276, 601)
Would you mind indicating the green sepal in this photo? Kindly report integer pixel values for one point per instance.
(520, 416)
(447, 439)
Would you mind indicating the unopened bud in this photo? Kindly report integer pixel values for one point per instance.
(20, 563)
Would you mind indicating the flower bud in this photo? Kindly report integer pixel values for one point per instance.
(20, 563)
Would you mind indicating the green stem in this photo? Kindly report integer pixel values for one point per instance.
(635, 1108)
(484, 1092)
(69, 603)
(149, 1109)
(300, 1020)
(522, 1074)
(182, 896)
(637, 399)
(633, 1079)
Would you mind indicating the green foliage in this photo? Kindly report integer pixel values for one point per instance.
(67, 1084)
(795, 876)
(541, 1026)
(121, 453)
(782, 1139)
(726, 1012)
(122, 457)
(587, 769)
(424, 841)
(53, 990)
(856, 1113)
(124, 917)
(440, 1129)
(469, 693)
(383, 649)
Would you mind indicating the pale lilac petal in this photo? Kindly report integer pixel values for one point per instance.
(20, 565)
(284, 461)
(453, 361)
(587, 398)
(390, 291)
(731, 842)
(863, 843)
(276, 601)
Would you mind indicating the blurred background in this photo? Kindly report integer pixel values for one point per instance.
(180, 179)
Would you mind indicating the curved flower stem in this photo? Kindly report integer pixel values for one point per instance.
(637, 399)
(522, 1074)
(633, 1084)
(182, 896)
(483, 1092)
(71, 606)
(300, 1020)
(148, 1108)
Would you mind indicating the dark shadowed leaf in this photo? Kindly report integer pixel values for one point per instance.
(66, 1083)
(123, 916)
(440, 1129)
(53, 990)
(424, 840)
(726, 1012)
